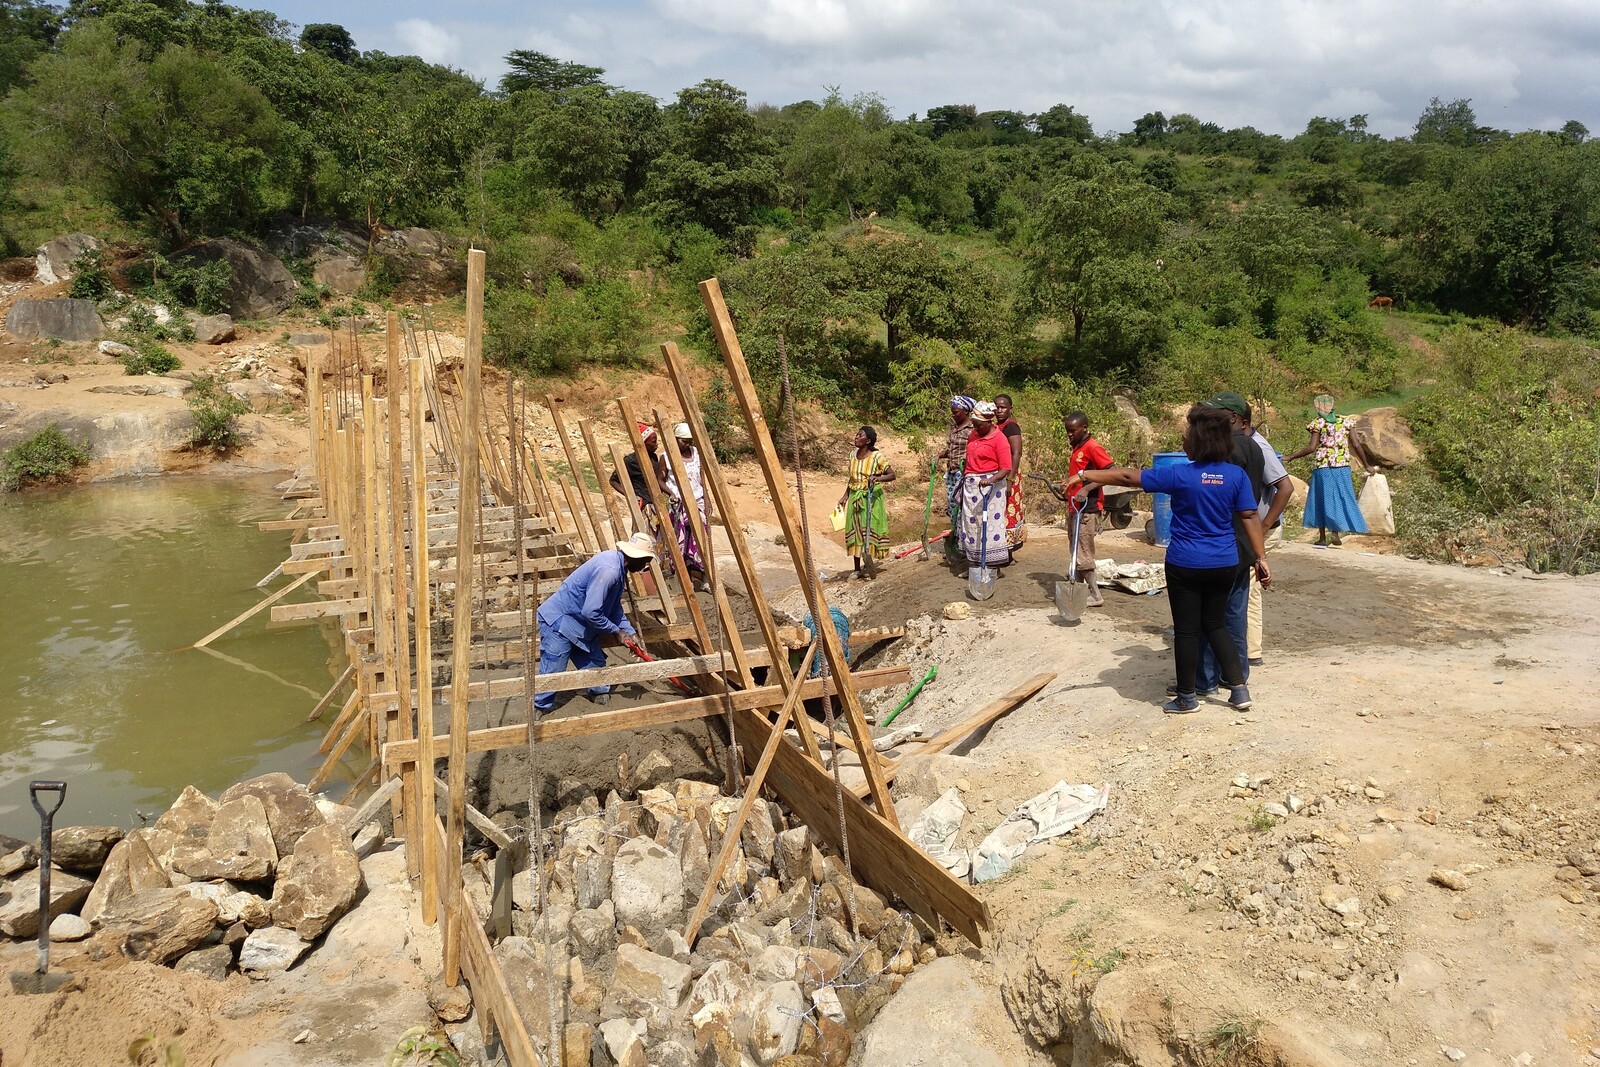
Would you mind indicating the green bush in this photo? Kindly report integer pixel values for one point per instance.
(48, 456)
(150, 357)
(216, 413)
(91, 278)
(723, 422)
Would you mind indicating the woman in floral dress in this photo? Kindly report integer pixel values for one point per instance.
(1331, 501)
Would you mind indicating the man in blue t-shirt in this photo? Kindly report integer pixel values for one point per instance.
(586, 609)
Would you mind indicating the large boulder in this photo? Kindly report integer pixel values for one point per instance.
(290, 809)
(943, 1015)
(157, 925)
(130, 868)
(54, 259)
(341, 273)
(213, 329)
(238, 845)
(1142, 429)
(316, 884)
(647, 886)
(1384, 437)
(423, 262)
(83, 849)
(646, 985)
(271, 950)
(189, 818)
(63, 318)
(775, 1013)
(19, 900)
(261, 285)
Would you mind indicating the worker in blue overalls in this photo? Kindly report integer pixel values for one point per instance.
(586, 608)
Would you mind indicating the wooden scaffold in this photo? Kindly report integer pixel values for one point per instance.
(432, 533)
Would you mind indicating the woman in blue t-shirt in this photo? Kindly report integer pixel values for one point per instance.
(1207, 492)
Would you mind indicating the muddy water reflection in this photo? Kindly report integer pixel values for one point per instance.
(97, 585)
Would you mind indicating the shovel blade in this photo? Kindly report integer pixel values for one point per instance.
(980, 582)
(1071, 600)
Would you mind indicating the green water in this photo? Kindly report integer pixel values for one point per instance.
(97, 584)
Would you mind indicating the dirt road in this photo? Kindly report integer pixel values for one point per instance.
(1423, 718)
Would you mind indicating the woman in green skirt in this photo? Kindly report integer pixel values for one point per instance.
(866, 525)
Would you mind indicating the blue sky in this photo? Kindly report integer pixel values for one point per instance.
(1271, 64)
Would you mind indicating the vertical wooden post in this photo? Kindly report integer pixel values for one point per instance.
(423, 786)
(767, 454)
(400, 600)
(467, 503)
(577, 475)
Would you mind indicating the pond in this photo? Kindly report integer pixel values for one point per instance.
(104, 587)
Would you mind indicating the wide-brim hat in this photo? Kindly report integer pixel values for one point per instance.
(639, 546)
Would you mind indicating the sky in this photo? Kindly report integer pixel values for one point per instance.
(1271, 64)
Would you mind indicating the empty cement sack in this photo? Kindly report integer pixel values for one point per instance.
(1377, 507)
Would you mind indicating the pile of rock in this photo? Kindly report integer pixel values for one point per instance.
(248, 881)
(793, 958)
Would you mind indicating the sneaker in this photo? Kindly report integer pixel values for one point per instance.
(1172, 691)
(1181, 704)
(1239, 697)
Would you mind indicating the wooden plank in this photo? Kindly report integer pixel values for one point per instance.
(316, 566)
(327, 698)
(602, 722)
(267, 603)
(974, 722)
(471, 416)
(320, 609)
(752, 790)
(369, 811)
(422, 796)
(817, 600)
(280, 525)
(485, 825)
(399, 593)
(711, 468)
(880, 855)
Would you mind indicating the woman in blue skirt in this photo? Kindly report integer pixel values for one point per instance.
(1331, 501)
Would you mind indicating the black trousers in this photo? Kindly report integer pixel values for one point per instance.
(1199, 600)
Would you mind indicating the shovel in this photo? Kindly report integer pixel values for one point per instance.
(41, 980)
(981, 579)
(1072, 596)
(927, 512)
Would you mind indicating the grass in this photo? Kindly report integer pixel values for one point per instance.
(1230, 1039)
(48, 456)
(1085, 957)
(1260, 819)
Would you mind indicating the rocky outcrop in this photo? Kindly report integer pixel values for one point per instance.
(261, 285)
(317, 884)
(53, 261)
(157, 925)
(1384, 438)
(130, 868)
(83, 849)
(61, 318)
(289, 807)
(19, 900)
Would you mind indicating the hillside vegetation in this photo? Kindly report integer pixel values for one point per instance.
(887, 262)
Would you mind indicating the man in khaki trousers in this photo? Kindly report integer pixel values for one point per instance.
(1276, 492)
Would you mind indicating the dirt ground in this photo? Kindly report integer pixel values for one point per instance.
(1428, 718)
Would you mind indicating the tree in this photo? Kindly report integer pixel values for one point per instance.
(28, 28)
(917, 289)
(331, 40)
(1574, 132)
(719, 166)
(579, 144)
(1151, 126)
(535, 70)
(835, 157)
(1452, 123)
(1062, 121)
(951, 118)
(1092, 261)
(180, 142)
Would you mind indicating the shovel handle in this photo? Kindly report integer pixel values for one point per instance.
(56, 787)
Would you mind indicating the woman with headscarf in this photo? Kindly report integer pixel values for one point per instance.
(866, 524)
(955, 462)
(639, 486)
(678, 502)
(1331, 501)
(1016, 522)
(983, 491)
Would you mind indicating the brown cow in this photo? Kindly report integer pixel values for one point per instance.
(1385, 302)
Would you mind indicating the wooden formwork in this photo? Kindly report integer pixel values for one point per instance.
(416, 503)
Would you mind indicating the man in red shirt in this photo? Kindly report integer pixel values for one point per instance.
(1087, 454)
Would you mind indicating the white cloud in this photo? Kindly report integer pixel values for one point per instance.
(429, 40)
